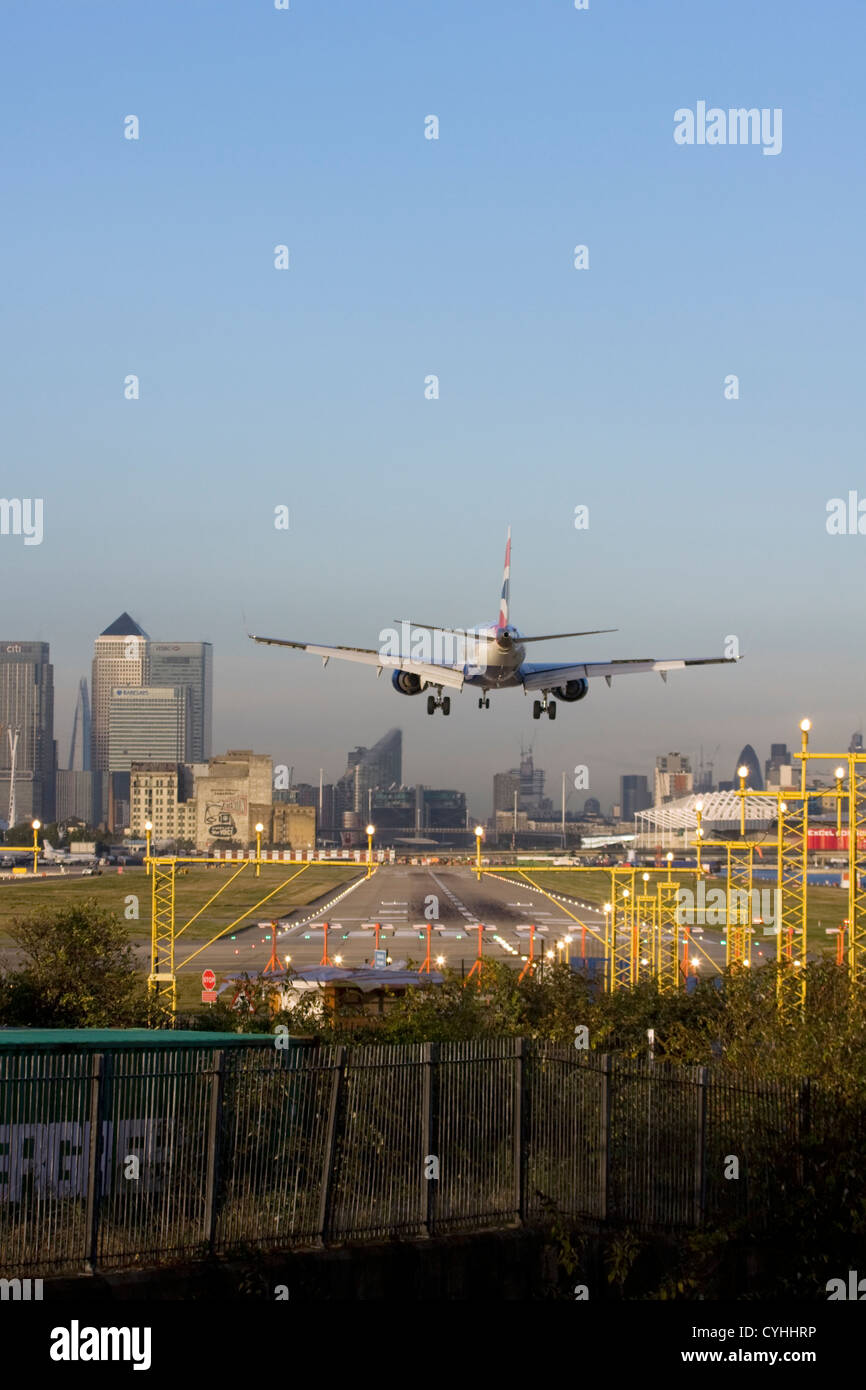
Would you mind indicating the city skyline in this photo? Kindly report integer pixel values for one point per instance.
(483, 805)
(278, 466)
(605, 768)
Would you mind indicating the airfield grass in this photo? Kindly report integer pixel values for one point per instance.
(826, 907)
(192, 890)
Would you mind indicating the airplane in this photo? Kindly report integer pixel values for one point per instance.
(497, 653)
(50, 855)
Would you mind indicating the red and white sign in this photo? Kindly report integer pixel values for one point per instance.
(208, 996)
(208, 980)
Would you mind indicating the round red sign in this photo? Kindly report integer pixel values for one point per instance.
(208, 979)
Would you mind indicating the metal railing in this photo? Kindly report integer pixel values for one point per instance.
(113, 1159)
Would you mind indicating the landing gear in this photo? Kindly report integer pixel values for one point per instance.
(484, 702)
(544, 706)
(439, 701)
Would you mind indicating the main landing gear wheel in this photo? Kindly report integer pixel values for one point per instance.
(484, 702)
(545, 706)
(439, 701)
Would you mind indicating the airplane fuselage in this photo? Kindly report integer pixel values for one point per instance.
(496, 658)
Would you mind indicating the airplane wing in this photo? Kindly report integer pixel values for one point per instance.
(540, 677)
(452, 676)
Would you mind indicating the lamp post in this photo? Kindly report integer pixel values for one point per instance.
(259, 829)
(37, 825)
(670, 858)
(371, 831)
(479, 836)
(742, 773)
(148, 831)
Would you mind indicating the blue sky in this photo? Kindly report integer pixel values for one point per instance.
(410, 257)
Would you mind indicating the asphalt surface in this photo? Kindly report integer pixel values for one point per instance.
(403, 899)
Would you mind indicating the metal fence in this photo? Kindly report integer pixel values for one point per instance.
(114, 1159)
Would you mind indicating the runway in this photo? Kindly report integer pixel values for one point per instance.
(403, 899)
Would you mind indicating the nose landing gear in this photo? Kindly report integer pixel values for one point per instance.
(544, 706)
(484, 702)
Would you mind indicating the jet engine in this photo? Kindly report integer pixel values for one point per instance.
(572, 690)
(407, 682)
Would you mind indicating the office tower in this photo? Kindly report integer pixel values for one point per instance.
(191, 664)
(74, 796)
(528, 781)
(634, 795)
(856, 744)
(26, 732)
(163, 794)
(672, 778)
(119, 659)
(79, 744)
(443, 808)
(368, 769)
(779, 758)
(749, 759)
(505, 785)
(148, 723)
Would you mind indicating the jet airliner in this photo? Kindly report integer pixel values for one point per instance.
(493, 658)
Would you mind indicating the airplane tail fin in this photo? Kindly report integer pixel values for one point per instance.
(502, 620)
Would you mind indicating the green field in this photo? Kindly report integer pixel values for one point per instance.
(192, 890)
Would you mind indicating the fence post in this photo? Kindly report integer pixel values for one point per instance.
(330, 1144)
(700, 1195)
(430, 1125)
(519, 1122)
(94, 1154)
(213, 1134)
(604, 1155)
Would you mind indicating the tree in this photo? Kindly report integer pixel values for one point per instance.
(79, 971)
(21, 834)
